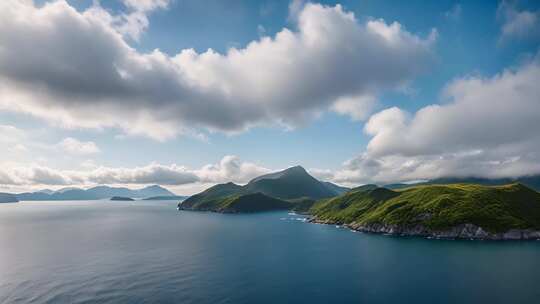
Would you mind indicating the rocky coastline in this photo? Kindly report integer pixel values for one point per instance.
(463, 231)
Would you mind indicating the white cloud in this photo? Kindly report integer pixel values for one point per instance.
(481, 113)
(6, 179)
(20, 148)
(357, 107)
(146, 5)
(11, 134)
(34, 175)
(150, 174)
(261, 30)
(47, 176)
(75, 146)
(284, 80)
(89, 164)
(486, 127)
(295, 8)
(518, 24)
(133, 23)
(230, 168)
(12, 140)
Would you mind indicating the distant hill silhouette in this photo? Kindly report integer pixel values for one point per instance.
(95, 193)
(532, 182)
(121, 198)
(8, 198)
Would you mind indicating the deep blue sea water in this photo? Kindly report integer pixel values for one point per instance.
(148, 252)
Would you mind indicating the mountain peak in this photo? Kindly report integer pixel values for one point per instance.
(296, 168)
(292, 183)
(153, 187)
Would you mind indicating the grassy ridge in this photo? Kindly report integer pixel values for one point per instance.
(288, 185)
(246, 203)
(210, 196)
(439, 207)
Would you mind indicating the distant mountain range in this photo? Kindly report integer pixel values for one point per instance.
(277, 190)
(8, 198)
(95, 193)
(532, 182)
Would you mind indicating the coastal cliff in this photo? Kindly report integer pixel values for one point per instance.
(462, 231)
(510, 212)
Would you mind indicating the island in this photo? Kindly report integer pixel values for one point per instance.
(121, 198)
(8, 198)
(455, 210)
(166, 198)
(276, 191)
(247, 203)
(94, 193)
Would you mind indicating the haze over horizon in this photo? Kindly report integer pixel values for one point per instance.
(187, 94)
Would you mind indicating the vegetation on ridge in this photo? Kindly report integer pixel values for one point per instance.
(287, 185)
(252, 202)
(438, 207)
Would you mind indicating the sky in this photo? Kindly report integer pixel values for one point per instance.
(190, 93)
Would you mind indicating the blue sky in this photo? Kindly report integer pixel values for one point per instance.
(457, 43)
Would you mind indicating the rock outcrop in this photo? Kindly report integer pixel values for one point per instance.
(463, 231)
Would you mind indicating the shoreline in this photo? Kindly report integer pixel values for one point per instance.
(460, 232)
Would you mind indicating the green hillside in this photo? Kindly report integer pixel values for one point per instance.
(339, 190)
(302, 205)
(532, 182)
(291, 184)
(253, 202)
(438, 207)
(211, 194)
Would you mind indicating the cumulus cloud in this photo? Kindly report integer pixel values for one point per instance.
(151, 174)
(6, 179)
(486, 113)
(295, 7)
(230, 168)
(485, 127)
(10, 134)
(75, 146)
(75, 69)
(517, 23)
(12, 139)
(131, 24)
(357, 107)
(35, 175)
(146, 5)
